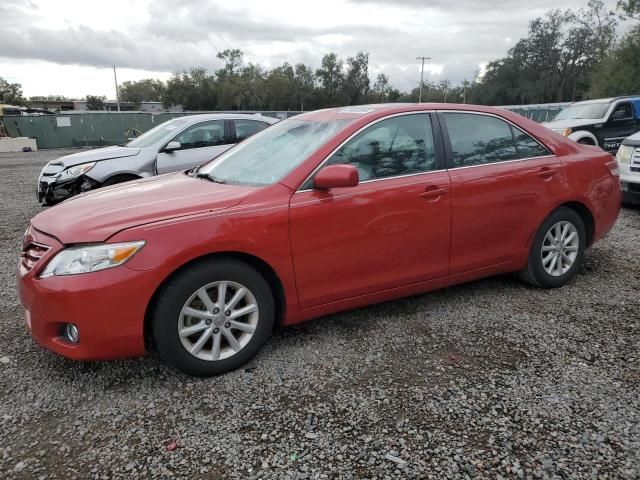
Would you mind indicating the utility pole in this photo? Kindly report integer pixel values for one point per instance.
(115, 78)
(421, 76)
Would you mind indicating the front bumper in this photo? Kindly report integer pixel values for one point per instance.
(108, 307)
(50, 191)
(630, 192)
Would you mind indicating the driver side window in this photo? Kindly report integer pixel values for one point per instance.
(390, 148)
(205, 134)
(623, 111)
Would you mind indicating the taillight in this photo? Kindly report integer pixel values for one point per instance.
(612, 165)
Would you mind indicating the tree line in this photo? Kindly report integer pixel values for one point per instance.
(567, 55)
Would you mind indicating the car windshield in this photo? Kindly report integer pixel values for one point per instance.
(585, 110)
(153, 136)
(269, 155)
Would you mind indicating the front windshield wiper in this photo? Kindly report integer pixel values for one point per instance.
(211, 178)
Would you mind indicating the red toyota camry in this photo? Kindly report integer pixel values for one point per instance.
(326, 211)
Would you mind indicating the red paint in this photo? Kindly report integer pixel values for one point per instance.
(332, 248)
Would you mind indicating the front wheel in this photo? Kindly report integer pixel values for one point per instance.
(213, 317)
(557, 250)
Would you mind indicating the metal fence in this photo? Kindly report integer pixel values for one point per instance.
(92, 129)
(75, 129)
(538, 113)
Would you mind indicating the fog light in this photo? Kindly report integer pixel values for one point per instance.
(71, 333)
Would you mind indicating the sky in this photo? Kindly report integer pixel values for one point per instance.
(69, 47)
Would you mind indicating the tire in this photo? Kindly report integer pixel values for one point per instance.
(119, 179)
(535, 273)
(585, 141)
(184, 292)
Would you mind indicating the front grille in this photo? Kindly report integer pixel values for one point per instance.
(635, 156)
(31, 255)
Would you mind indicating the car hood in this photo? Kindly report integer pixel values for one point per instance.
(633, 140)
(571, 123)
(96, 155)
(97, 215)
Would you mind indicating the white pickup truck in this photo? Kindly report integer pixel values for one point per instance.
(628, 157)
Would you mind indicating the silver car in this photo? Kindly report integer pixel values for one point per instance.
(177, 144)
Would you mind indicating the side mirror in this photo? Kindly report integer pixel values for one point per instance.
(171, 146)
(336, 176)
(619, 115)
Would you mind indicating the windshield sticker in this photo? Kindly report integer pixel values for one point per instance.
(360, 111)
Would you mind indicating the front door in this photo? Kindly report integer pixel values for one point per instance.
(199, 143)
(391, 230)
(621, 124)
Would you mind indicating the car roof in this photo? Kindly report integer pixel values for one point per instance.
(607, 100)
(383, 109)
(190, 119)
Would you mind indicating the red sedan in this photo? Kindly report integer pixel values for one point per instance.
(323, 212)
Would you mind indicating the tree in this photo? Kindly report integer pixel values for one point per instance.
(619, 73)
(95, 102)
(10, 93)
(331, 78)
(304, 86)
(630, 9)
(146, 90)
(194, 90)
(356, 82)
(51, 98)
(227, 80)
(554, 62)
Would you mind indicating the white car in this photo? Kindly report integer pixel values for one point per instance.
(177, 144)
(628, 158)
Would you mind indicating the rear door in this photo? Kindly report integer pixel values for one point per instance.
(503, 184)
(391, 230)
(200, 143)
(243, 128)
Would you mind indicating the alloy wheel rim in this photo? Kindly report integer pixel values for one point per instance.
(218, 320)
(560, 248)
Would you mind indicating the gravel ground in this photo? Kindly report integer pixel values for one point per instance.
(492, 379)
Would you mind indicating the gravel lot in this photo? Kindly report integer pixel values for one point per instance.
(486, 380)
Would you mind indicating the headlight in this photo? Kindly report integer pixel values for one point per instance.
(563, 131)
(90, 258)
(625, 152)
(75, 171)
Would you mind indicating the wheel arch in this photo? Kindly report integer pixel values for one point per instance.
(259, 264)
(584, 135)
(129, 176)
(586, 215)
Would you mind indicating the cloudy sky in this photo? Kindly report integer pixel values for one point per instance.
(67, 47)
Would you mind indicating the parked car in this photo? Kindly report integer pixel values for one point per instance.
(177, 144)
(628, 158)
(322, 212)
(604, 122)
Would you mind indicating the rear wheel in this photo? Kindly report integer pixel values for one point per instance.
(213, 317)
(557, 250)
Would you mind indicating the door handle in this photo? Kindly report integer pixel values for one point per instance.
(547, 173)
(433, 193)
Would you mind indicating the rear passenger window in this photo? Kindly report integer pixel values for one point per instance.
(397, 146)
(246, 128)
(480, 139)
(526, 146)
